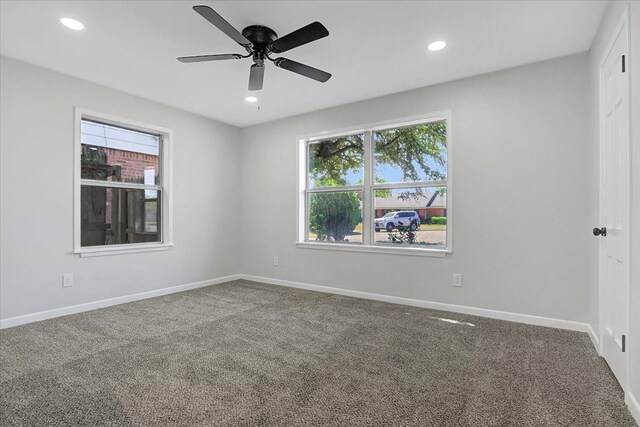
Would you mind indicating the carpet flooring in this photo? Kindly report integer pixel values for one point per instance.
(245, 353)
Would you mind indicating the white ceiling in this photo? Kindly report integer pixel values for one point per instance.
(374, 48)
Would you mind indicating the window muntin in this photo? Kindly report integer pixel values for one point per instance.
(123, 178)
(407, 163)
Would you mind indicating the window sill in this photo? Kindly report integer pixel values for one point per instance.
(122, 249)
(439, 253)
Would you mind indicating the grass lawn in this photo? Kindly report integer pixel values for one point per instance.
(433, 227)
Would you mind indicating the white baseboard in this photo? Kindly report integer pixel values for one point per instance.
(482, 312)
(49, 314)
(594, 337)
(634, 406)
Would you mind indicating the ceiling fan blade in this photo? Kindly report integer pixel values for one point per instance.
(212, 16)
(256, 77)
(305, 70)
(204, 58)
(304, 35)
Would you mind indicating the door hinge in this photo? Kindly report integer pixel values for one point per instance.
(624, 343)
(623, 64)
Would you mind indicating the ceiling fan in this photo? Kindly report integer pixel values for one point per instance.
(260, 42)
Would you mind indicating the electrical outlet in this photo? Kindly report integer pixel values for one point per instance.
(457, 280)
(67, 280)
(275, 261)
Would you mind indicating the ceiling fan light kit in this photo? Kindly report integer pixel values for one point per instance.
(260, 42)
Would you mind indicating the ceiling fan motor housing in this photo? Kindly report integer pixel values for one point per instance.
(260, 36)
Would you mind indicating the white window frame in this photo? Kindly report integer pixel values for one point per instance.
(166, 185)
(368, 188)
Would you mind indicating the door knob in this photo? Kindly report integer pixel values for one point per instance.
(600, 231)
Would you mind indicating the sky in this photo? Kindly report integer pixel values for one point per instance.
(391, 173)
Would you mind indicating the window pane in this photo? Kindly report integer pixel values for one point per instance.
(416, 153)
(336, 162)
(335, 217)
(116, 216)
(110, 153)
(411, 216)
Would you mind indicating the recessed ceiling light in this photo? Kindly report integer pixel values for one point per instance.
(437, 45)
(251, 99)
(72, 23)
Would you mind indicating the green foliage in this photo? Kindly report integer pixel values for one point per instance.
(333, 215)
(93, 163)
(410, 149)
(332, 159)
(438, 220)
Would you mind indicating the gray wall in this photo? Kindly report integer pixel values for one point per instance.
(609, 22)
(521, 191)
(36, 151)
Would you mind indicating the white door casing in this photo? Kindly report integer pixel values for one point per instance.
(615, 202)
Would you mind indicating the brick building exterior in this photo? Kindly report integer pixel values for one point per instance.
(132, 165)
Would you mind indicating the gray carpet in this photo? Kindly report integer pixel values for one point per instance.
(245, 353)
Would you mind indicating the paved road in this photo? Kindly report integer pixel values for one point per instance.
(432, 237)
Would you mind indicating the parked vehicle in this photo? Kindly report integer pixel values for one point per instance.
(400, 218)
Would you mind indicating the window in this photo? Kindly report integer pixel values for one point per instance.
(123, 185)
(385, 188)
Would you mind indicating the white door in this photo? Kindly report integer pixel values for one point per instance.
(614, 209)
